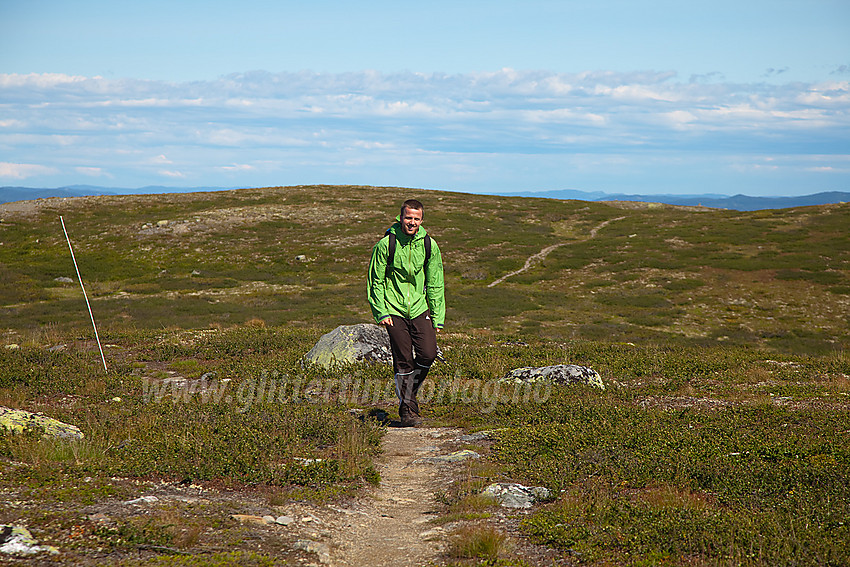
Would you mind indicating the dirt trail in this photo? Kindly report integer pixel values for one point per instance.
(540, 256)
(391, 525)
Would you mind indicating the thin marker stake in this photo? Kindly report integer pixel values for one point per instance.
(80, 278)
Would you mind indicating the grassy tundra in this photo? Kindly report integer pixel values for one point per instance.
(721, 439)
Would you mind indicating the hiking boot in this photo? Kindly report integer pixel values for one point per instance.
(407, 417)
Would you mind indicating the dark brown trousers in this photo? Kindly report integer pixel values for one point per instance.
(414, 347)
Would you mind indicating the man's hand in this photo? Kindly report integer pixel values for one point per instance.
(388, 322)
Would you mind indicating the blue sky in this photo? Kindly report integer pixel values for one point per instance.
(645, 97)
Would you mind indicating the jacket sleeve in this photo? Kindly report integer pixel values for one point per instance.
(376, 280)
(435, 293)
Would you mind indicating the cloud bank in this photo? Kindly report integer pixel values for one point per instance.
(506, 130)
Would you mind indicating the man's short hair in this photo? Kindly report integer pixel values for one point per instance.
(414, 205)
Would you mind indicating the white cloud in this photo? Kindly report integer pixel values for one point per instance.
(237, 167)
(11, 123)
(326, 120)
(40, 80)
(372, 145)
(92, 171)
(24, 170)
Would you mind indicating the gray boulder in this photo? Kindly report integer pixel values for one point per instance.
(18, 541)
(559, 374)
(512, 495)
(18, 421)
(348, 344)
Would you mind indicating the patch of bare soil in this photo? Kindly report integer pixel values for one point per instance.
(391, 525)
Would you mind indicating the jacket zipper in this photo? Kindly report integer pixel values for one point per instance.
(409, 285)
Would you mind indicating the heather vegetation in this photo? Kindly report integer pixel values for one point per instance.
(720, 439)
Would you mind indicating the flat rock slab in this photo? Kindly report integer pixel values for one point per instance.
(18, 421)
(348, 344)
(560, 374)
(512, 495)
(455, 457)
(490, 434)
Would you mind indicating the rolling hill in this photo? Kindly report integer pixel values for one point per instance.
(297, 256)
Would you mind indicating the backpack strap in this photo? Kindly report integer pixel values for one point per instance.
(390, 255)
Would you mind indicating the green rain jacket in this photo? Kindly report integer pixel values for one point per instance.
(408, 291)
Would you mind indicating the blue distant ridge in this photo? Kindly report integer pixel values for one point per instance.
(11, 194)
(736, 202)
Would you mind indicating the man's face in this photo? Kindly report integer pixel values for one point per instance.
(410, 221)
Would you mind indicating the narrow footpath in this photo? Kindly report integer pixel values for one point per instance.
(391, 526)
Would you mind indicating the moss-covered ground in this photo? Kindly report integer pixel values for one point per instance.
(721, 438)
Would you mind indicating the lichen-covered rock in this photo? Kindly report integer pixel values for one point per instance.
(456, 457)
(490, 434)
(348, 344)
(512, 495)
(16, 540)
(558, 374)
(19, 421)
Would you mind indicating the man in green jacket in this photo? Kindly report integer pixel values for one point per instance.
(406, 294)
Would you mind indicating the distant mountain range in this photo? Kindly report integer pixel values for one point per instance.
(736, 202)
(10, 194)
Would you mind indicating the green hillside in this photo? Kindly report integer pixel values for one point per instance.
(297, 256)
(721, 437)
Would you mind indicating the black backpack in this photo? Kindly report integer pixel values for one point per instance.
(391, 252)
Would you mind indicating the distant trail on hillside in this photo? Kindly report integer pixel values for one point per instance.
(540, 256)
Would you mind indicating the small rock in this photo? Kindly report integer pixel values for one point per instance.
(455, 457)
(99, 517)
(249, 519)
(320, 549)
(63, 279)
(116, 399)
(162, 223)
(307, 519)
(437, 532)
(301, 258)
(13, 346)
(269, 519)
(142, 500)
(196, 273)
(512, 495)
(284, 520)
(57, 348)
(481, 435)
